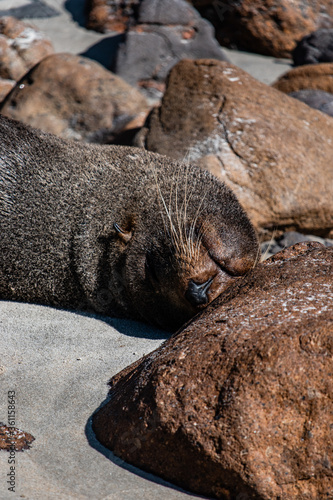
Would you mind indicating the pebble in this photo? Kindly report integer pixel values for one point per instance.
(273, 246)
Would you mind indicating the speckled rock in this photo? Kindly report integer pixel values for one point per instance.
(74, 97)
(13, 439)
(270, 27)
(239, 403)
(21, 46)
(253, 138)
(310, 76)
(163, 34)
(317, 47)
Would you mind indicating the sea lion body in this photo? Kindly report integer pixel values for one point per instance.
(115, 230)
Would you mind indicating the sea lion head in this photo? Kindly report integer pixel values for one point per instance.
(186, 247)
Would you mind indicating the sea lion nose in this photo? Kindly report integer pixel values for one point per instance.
(196, 293)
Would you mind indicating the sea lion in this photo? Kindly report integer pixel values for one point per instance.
(114, 229)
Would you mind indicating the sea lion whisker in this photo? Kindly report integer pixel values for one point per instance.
(190, 243)
(193, 226)
(186, 201)
(176, 240)
(165, 225)
(195, 242)
(191, 234)
(171, 232)
(186, 156)
(194, 222)
(201, 234)
(261, 258)
(179, 219)
(167, 211)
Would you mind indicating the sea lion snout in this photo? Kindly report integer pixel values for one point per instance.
(196, 293)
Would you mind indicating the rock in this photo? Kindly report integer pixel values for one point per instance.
(253, 138)
(21, 47)
(269, 248)
(270, 27)
(311, 76)
(317, 99)
(164, 34)
(126, 135)
(291, 238)
(5, 87)
(317, 47)
(14, 439)
(175, 12)
(238, 404)
(74, 97)
(275, 245)
(106, 15)
(110, 15)
(31, 9)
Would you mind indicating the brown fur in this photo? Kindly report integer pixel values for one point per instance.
(113, 229)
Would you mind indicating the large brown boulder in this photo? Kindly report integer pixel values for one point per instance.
(270, 27)
(272, 150)
(22, 46)
(309, 76)
(74, 97)
(239, 403)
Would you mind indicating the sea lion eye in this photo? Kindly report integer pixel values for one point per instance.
(218, 261)
(123, 235)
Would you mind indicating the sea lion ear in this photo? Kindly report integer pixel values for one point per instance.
(125, 236)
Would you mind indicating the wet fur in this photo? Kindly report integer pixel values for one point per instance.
(112, 229)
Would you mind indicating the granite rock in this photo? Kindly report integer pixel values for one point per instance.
(238, 404)
(75, 97)
(253, 138)
(21, 47)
